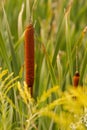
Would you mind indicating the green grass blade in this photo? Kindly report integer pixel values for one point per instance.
(3, 52)
(19, 42)
(60, 73)
(83, 67)
(50, 67)
(20, 23)
(68, 41)
(59, 33)
(14, 59)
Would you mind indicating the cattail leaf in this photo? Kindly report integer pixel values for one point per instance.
(51, 71)
(19, 42)
(14, 59)
(39, 75)
(68, 41)
(20, 26)
(3, 52)
(60, 73)
(83, 66)
(58, 35)
(78, 42)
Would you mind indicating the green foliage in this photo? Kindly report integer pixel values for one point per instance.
(60, 27)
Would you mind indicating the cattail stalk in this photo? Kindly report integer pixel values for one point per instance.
(29, 56)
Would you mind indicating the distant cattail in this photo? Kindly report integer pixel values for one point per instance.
(29, 56)
(76, 79)
(77, 75)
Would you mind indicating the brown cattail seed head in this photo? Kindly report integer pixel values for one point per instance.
(29, 56)
(76, 79)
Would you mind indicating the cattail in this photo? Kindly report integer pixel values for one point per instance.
(76, 79)
(29, 56)
(76, 76)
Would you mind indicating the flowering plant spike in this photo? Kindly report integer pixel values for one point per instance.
(29, 56)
